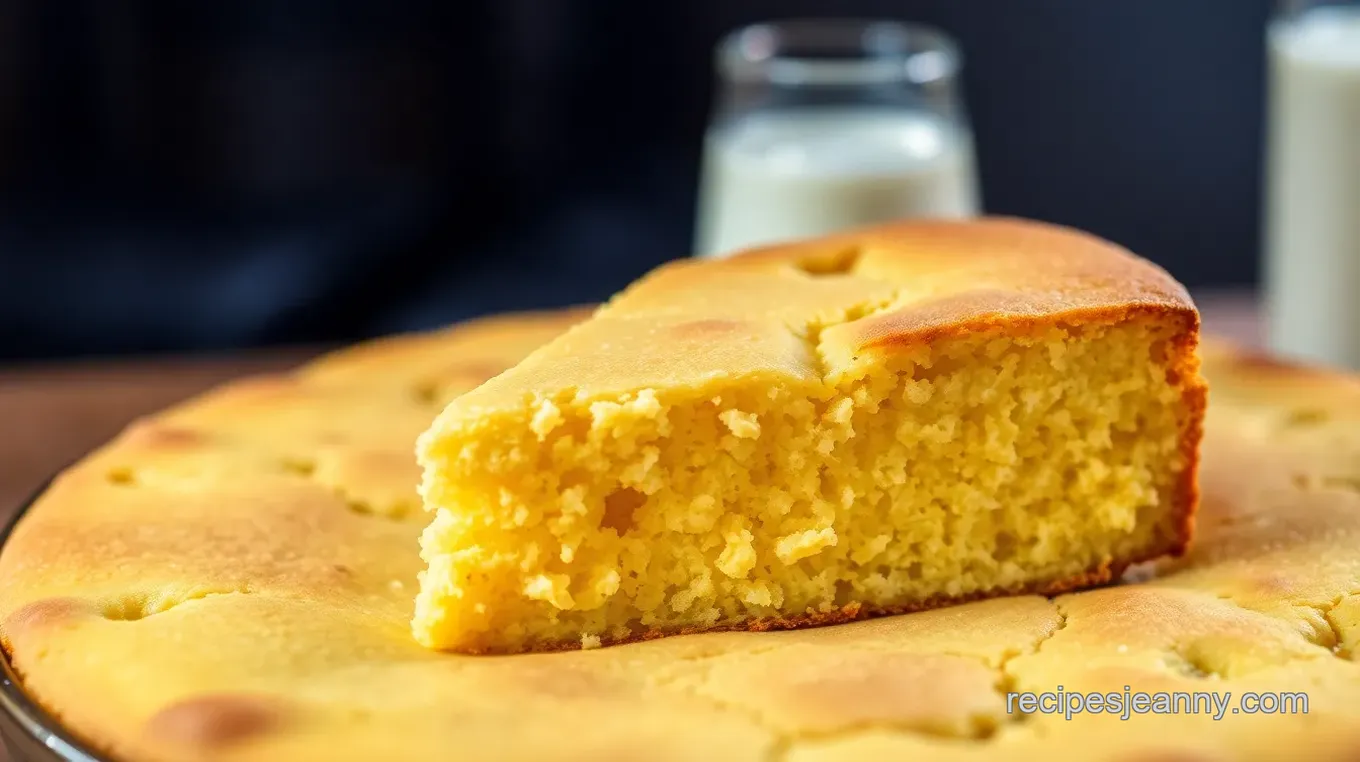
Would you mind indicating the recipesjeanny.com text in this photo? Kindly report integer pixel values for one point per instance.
(1129, 703)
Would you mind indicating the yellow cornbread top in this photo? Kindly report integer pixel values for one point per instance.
(232, 580)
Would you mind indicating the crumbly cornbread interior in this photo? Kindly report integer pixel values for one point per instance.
(879, 421)
(975, 464)
(231, 581)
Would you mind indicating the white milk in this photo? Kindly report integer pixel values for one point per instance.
(1312, 260)
(773, 176)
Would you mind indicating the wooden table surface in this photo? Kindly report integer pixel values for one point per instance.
(51, 415)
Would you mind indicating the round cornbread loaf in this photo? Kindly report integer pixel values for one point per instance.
(232, 580)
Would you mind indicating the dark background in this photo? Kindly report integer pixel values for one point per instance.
(194, 176)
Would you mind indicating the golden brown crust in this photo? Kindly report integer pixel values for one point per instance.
(1196, 402)
(204, 723)
(44, 612)
(1002, 271)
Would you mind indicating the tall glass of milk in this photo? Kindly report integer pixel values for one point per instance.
(821, 125)
(1312, 236)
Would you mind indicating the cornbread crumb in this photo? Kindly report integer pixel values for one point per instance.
(800, 545)
(738, 556)
(546, 418)
(552, 589)
(742, 425)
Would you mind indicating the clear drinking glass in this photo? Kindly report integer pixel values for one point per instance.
(1312, 236)
(821, 125)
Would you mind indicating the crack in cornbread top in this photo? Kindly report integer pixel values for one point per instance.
(311, 656)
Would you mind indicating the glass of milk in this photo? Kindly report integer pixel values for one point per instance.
(1312, 236)
(822, 125)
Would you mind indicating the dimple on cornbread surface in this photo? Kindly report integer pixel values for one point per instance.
(886, 420)
(232, 580)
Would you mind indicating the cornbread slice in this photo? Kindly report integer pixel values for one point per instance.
(881, 421)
